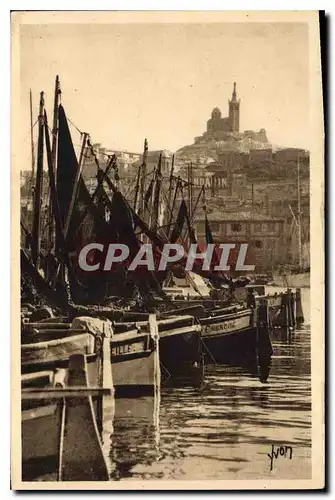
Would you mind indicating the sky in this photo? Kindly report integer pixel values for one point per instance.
(124, 82)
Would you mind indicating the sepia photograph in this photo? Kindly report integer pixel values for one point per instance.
(167, 226)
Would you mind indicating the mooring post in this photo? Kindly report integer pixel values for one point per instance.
(105, 402)
(264, 345)
(154, 333)
(251, 299)
(298, 307)
(289, 311)
(283, 317)
(290, 326)
(292, 307)
(287, 315)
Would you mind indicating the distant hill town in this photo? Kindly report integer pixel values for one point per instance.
(223, 146)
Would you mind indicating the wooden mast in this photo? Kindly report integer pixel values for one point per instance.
(30, 194)
(143, 175)
(191, 188)
(36, 231)
(55, 124)
(170, 190)
(54, 158)
(32, 138)
(156, 196)
(140, 181)
(53, 192)
(299, 214)
(178, 182)
(188, 188)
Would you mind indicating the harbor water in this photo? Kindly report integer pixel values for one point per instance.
(234, 427)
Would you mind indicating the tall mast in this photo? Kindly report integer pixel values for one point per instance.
(178, 182)
(140, 181)
(168, 211)
(32, 138)
(54, 156)
(55, 124)
(32, 172)
(36, 232)
(188, 187)
(299, 213)
(52, 184)
(156, 196)
(143, 176)
(191, 188)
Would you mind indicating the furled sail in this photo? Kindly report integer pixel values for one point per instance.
(179, 224)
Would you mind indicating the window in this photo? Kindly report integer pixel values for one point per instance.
(236, 227)
(215, 227)
(257, 227)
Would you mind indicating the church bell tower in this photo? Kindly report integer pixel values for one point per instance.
(234, 112)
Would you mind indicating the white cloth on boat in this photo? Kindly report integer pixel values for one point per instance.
(96, 326)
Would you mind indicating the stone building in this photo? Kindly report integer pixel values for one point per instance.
(153, 159)
(260, 155)
(230, 159)
(263, 233)
(291, 154)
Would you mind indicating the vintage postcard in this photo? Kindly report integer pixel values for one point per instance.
(167, 251)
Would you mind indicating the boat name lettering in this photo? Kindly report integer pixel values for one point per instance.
(227, 325)
(121, 349)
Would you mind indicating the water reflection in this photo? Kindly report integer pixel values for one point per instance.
(225, 429)
(135, 438)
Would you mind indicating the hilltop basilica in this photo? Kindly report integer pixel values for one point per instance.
(228, 129)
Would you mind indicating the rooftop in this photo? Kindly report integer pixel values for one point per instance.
(240, 217)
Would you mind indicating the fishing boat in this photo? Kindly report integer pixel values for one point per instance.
(239, 337)
(235, 329)
(180, 348)
(134, 354)
(65, 377)
(229, 335)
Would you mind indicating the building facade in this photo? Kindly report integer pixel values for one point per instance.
(263, 234)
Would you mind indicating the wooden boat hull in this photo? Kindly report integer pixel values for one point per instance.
(53, 428)
(134, 359)
(54, 355)
(60, 439)
(41, 430)
(180, 349)
(181, 353)
(230, 338)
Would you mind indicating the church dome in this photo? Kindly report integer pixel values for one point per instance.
(216, 113)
